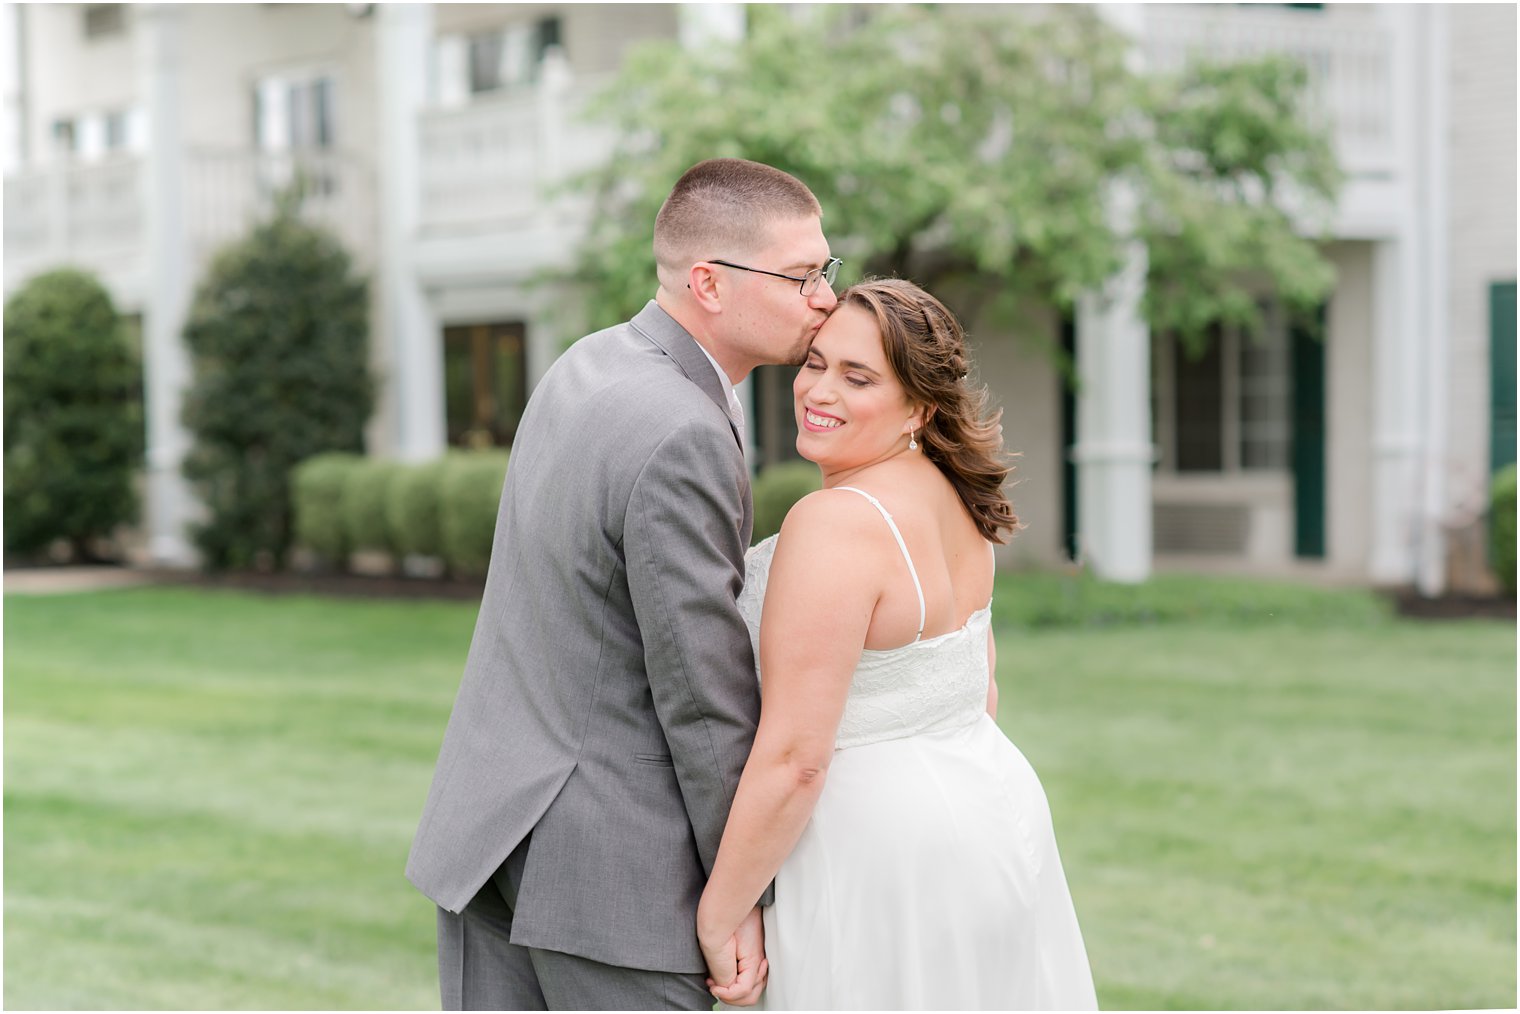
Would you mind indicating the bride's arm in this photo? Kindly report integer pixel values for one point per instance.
(824, 583)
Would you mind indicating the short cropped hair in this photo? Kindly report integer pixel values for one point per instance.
(724, 207)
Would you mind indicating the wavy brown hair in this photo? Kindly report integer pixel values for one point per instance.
(926, 347)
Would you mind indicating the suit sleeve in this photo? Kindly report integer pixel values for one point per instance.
(685, 562)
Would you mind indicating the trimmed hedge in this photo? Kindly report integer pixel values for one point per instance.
(411, 508)
(447, 508)
(366, 496)
(776, 489)
(470, 497)
(318, 494)
(1502, 526)
(443, 508)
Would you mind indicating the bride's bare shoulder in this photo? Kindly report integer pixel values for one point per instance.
(832, 517)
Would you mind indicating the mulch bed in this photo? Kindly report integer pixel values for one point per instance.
(1453, 607)
(1407, 602)
(334, 585)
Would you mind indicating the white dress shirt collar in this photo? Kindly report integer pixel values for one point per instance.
(735, 408)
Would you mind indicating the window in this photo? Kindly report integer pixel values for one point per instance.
(116, 130)
(308, 112)
(491, 59)
(295, 112)
(104, 20)
(1198, 392)
(485, 382)
(92, 136)
(64, 139)
(1227, 409)
(295, 125)
(495, 60)
(1265, 401)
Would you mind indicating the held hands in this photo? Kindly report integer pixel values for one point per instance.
(737, 963)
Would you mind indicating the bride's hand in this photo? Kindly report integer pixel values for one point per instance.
(737, 963)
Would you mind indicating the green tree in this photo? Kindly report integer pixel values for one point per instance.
(981, 146)
(279, 340)
(73, 415)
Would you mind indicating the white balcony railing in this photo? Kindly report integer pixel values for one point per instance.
(1350, 69)
(93, 215)
(490, 166)
(88, 215)
(227, 192)
(486, 166)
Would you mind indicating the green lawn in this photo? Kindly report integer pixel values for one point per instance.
(209, 798)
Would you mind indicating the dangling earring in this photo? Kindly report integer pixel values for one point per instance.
(912, 443)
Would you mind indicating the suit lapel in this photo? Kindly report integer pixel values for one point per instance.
(661, 328)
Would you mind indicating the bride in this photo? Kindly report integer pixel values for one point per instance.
(910, 842)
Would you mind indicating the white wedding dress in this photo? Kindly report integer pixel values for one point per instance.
(928, 876)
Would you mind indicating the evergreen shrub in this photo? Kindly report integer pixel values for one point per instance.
(777, 488)
(1502, 526)
(366, 494)
(279, 342)
(73, 415)
(411, 508)
(470, 497)
(319, 493)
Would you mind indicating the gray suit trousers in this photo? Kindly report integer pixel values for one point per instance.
(479, 968)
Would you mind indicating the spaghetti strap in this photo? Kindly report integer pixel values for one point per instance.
(912, 571)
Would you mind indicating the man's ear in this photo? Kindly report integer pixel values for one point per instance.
(702, 280)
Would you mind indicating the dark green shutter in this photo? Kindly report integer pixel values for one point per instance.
(1308, 353)
(1501, 360)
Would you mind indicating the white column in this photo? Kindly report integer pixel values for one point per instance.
(1113, 450)
(543, 341)
(166, 363)
(13, 43)
(1398, 319)
(1396, 444)
(553, 83)
(411, 345)
(1430, 567)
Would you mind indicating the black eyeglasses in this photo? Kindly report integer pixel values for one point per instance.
(809, 282)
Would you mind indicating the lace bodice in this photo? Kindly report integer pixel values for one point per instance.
(930, 685)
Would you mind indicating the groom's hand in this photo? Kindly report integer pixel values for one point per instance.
(738, 966)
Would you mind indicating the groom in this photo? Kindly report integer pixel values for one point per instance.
(609, 699)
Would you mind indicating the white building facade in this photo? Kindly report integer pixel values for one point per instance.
(141, 137)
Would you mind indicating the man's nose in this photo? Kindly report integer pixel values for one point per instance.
(823, 297)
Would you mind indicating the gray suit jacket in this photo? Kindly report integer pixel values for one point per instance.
(609, 700)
